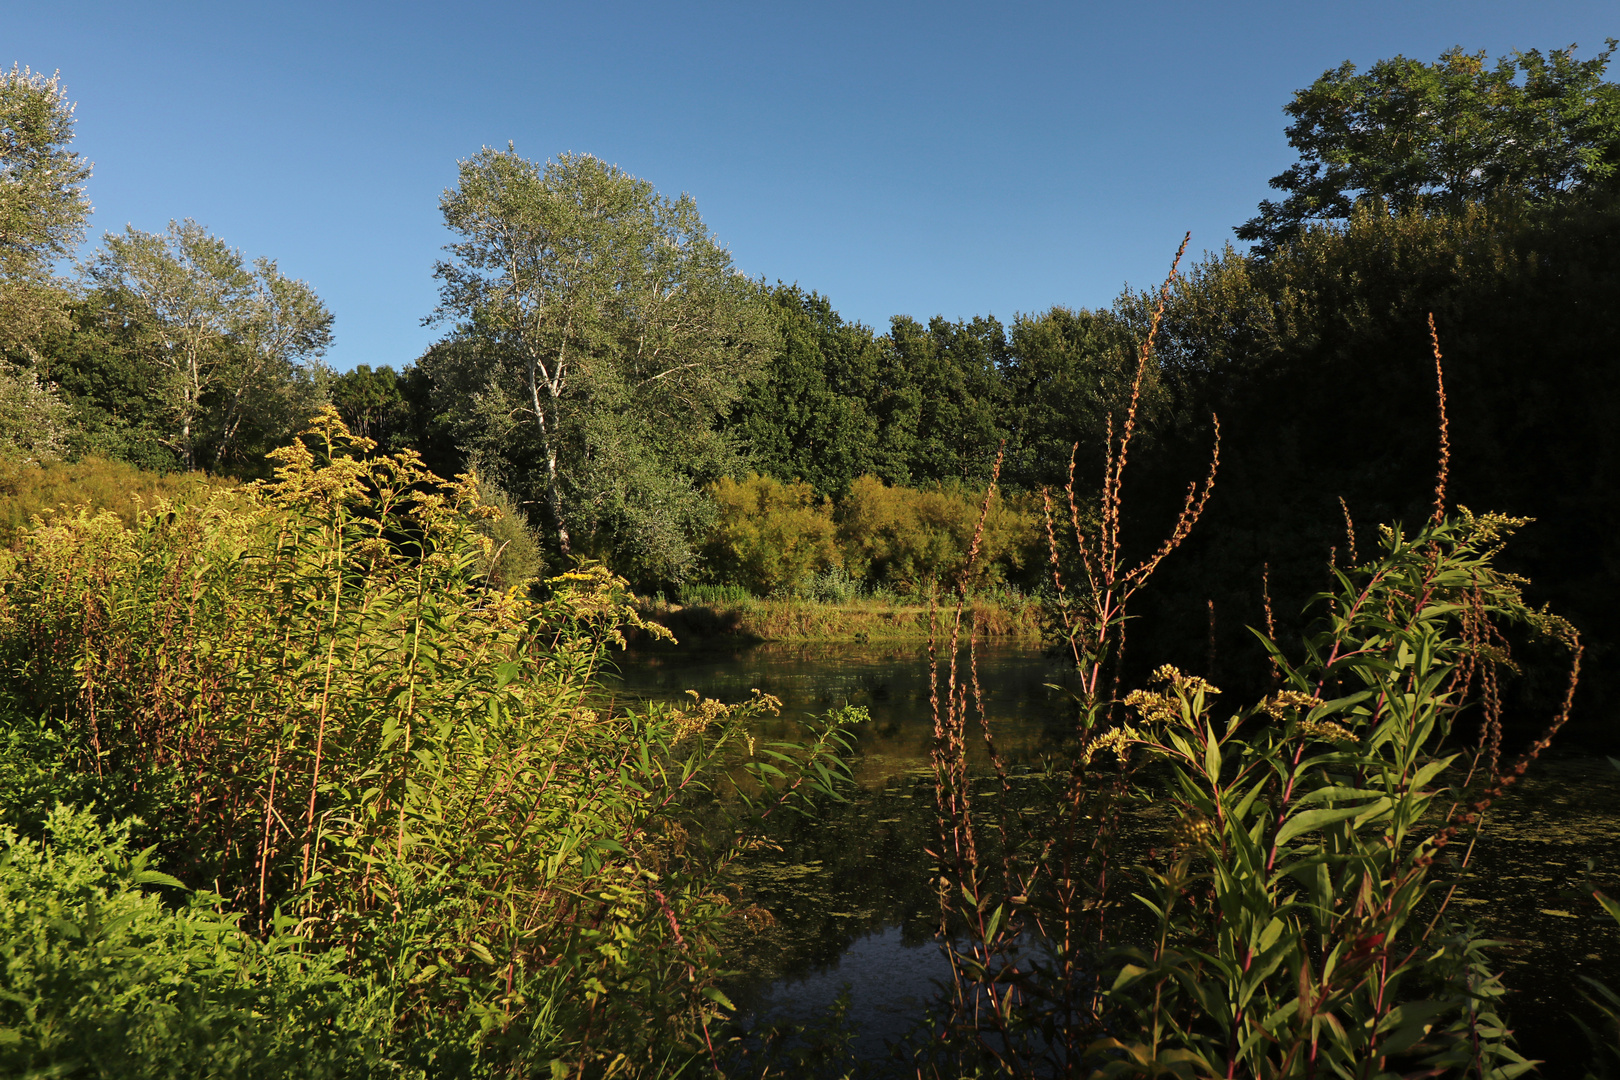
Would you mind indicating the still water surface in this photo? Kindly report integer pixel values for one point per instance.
(850, 892)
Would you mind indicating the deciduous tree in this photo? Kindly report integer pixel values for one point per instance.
(234, 346)
(1433, 136)
(599, 333)
(42, 203)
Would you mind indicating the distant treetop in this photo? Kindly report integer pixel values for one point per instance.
(1422, 136)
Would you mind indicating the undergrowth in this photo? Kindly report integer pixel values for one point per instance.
(1295, 920)
(361, 777)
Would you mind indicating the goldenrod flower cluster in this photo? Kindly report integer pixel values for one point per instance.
(1154, 708)
(1194, 831)
(1281, 704)
(1116, 739)
(1325, 731)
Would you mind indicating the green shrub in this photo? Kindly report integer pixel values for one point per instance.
(696, 592)
(833, 586)
(769, 536)
(918, 539)
(1318, 817)
(515, 557)
(775, 538)
(100, 976)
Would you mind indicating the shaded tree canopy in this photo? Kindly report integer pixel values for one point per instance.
(1435, 136)
(812, 415)
(371, 402)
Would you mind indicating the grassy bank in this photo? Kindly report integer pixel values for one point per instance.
(865, 619)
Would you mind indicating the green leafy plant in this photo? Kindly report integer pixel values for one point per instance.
(102, 976)
(338, 721)
(1302, 908)
(1296, 924)
(1603, 999)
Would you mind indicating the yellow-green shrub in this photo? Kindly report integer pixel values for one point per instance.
(29, 489)
(917, 538)
(769, 536)
(514, 557)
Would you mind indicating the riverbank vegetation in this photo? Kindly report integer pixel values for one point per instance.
(734, 617)
(1296, 918)
(325, 773)
(312, 772)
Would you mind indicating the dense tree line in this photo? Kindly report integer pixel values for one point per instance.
(603, 364)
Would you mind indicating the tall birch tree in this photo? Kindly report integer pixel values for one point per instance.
(43, 206)
(229, 339)
(608, 329)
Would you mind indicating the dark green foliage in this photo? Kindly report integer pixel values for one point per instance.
(947, 413)
(810, 417)
(1319, 363)
(1067, 373)
(235, 349)
(104, 365)
(373, 404)
(98, 364)
(916, 405)
(924, 404)
(1435, 137)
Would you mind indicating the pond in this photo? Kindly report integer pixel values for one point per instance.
(851, 891)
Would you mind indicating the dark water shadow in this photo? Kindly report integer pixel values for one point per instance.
(851, 891)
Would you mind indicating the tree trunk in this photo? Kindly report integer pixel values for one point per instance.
(555, 497)
(553, 492)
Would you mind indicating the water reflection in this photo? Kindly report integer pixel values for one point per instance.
(851, 891)
(890, 681)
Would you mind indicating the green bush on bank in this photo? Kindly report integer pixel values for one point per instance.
(769, 536)
(776, 538)
(917, 539)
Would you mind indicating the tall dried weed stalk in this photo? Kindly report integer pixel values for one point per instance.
(1260, 893)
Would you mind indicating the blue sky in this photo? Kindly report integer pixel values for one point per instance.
(918, 159)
